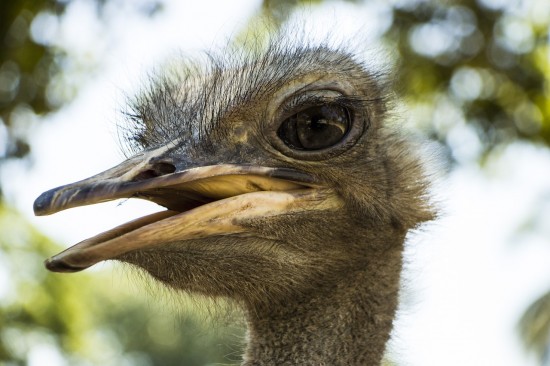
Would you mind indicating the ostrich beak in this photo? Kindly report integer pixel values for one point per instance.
(203, 201)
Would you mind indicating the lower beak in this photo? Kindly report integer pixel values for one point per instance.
(206, 201)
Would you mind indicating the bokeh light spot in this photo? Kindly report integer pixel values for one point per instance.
(466, 83)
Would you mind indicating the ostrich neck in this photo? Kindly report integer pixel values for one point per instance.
(344, 324)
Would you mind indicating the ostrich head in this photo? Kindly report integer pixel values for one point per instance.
(284, 190)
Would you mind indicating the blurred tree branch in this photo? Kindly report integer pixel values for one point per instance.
(535, 328)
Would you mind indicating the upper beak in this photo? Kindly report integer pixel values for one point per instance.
(201, 201)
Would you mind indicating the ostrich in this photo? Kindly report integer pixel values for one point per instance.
(285, 191)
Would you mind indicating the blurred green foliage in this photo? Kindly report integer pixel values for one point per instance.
(79, 320)
(27, 69)
(468, 62)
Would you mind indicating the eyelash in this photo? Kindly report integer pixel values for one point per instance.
(299, 102)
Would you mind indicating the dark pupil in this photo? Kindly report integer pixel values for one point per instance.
(315, 128)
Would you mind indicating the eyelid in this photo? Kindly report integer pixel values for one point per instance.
(299, 102)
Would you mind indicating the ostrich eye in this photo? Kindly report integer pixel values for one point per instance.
(315, 128)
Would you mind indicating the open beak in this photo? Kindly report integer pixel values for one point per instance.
(205, 201)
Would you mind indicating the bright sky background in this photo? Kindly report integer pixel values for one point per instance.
(472, 273)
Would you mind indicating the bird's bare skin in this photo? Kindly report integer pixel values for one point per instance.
(284, 191)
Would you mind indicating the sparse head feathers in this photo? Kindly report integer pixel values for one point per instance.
(226, 101)
(189, 97)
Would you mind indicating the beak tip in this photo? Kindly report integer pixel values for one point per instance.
(56, 265)
(42, 203)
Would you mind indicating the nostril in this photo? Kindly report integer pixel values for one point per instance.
(147, 174)
(164, 168)
(156, 170)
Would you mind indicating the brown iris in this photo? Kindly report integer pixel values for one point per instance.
(315, 128)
